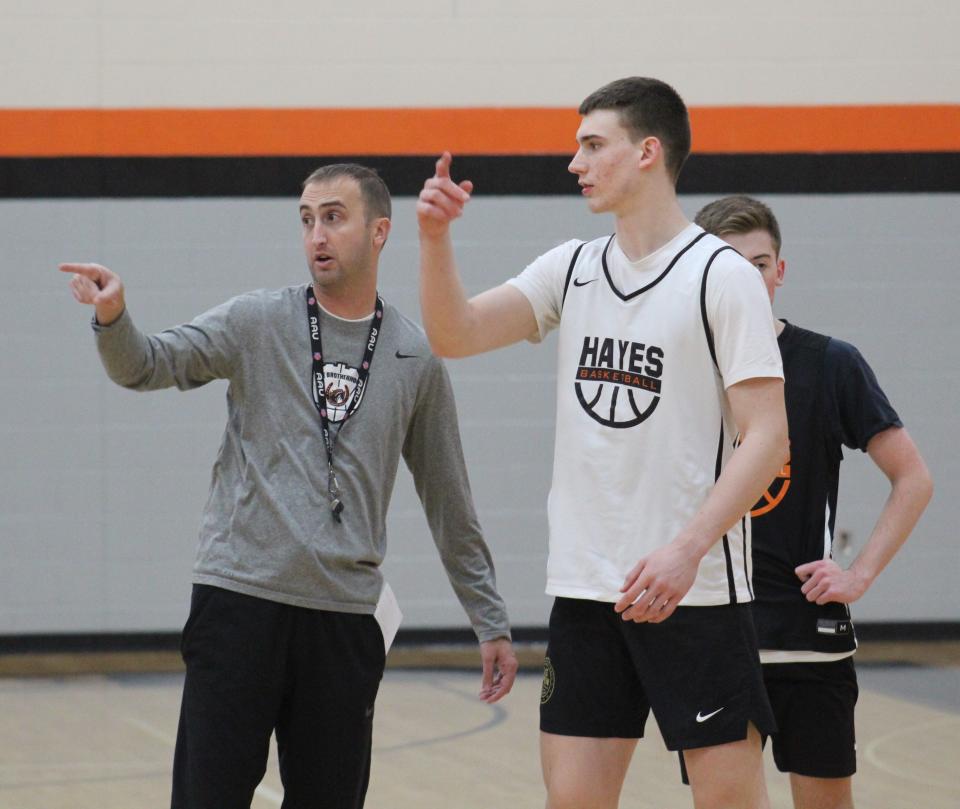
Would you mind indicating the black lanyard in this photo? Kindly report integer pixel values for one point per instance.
(319, 392)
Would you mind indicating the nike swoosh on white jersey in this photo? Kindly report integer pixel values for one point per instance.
(701, 718)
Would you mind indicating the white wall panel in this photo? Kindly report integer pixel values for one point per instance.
(460, 53)
(101, 489)
(293, 11)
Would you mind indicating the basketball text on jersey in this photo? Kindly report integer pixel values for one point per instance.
(608, 366)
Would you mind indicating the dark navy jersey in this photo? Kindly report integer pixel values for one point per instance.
(833, 401)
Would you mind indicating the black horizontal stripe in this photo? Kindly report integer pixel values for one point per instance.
(546, 175)
(867, 632)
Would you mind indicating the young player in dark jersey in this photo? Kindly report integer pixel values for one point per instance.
(802, 595)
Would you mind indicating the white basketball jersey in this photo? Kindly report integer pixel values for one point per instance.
(643, 422)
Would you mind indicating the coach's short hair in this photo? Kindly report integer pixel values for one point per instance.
(373, 190)
(737, 215)
(647, 107)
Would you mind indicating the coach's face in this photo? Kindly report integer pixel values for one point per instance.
(340, 244)
(757, 247)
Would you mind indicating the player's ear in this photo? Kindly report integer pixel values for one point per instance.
(781, 271)
(650, 151)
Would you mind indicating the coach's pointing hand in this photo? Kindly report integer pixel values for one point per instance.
(441, 200)
(98, 286)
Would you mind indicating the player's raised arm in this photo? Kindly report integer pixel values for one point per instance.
(458, 327)
(99, 287)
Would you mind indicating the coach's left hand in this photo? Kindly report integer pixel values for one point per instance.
(499, 669)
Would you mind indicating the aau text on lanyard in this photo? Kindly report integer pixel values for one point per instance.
(319, 392)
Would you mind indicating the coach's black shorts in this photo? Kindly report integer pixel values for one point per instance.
(698, 671)
(813, 704)
(255, 667)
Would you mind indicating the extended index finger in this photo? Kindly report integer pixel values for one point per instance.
(443, 165)
(91, 271)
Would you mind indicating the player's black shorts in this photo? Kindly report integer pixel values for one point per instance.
(698, 671)
(813, 704)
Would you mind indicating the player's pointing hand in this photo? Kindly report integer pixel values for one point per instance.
(442, 200)
(95, 285)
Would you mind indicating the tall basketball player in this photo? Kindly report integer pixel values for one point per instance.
(670, 425)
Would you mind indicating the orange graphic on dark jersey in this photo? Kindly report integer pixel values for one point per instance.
(774, 494)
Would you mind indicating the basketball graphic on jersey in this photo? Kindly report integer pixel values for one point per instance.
(774, 494)
(339, 386)
(618, 382)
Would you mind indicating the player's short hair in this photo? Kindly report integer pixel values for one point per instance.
(647, 107)
(739, 214)
(373, 190)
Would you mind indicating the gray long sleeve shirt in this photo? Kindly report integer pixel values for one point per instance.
(267, 529)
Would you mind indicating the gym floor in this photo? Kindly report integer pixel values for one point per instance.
(103, 738)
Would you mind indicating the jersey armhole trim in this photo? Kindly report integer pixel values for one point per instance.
(566, 282)
(708, 331)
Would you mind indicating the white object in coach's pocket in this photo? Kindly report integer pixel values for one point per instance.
(388, 615)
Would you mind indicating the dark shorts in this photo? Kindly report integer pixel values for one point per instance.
(255, 667)
(813, 704)
(698, 671)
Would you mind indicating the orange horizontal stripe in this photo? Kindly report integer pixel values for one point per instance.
(488, 131)
(224, 132)
(904, 128)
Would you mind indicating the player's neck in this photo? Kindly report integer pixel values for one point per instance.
(779, 325)
(648, 224)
